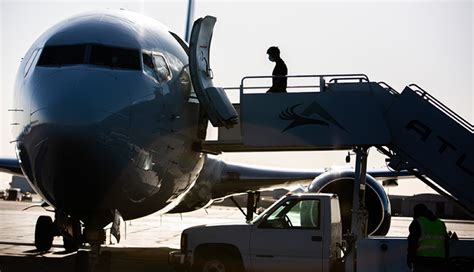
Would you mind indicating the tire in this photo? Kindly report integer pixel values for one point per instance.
(220, 262)
(44, 234)
(72, 244)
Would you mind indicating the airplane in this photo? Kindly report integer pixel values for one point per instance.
(106, 119)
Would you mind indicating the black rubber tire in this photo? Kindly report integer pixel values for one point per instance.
(44, 233)
(72, 244)
(219, 262)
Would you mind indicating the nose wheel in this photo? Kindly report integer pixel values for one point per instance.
(44, 233)
(72, 240)
(46, 229)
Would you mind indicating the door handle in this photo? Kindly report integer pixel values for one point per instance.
(316, 238)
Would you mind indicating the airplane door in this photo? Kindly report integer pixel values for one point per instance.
(289, 239)
(213, 99)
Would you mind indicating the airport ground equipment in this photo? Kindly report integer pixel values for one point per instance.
(413, 129)
(300, 232)
(416, 132)
(344, 112)
(340, 112)
(13, 194)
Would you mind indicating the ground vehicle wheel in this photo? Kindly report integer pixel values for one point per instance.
(44, 233)
(219, 262)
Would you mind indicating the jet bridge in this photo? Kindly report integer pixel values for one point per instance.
(338, 112)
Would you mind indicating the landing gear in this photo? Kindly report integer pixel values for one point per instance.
(63, 225)
(95, 236)
(44, 233)
(72, 240)
(70, 229)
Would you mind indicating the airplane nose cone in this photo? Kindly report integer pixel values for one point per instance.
(78, 138)
(75, 97)
(78, 172)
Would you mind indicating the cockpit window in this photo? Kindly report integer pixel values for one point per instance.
(161, 67)
(115, 57)
(100, 55)
(30, 61)
(62, 55)
(149, 66)
(156, 67)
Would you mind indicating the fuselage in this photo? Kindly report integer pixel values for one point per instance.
(106, 117)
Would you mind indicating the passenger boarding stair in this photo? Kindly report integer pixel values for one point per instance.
(435, 141)
(338, 112)
(414, 129)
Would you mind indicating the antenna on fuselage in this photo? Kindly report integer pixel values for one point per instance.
(189, 20)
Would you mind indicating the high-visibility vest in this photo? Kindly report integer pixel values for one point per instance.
(431, 242)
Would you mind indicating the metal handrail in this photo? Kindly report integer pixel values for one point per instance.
(266, 87)
(424, 94)
(388, 87)
(336, 80)
(333, 79)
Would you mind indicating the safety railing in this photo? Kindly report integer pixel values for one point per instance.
(388, 88)
(320, 81)
(438, 104)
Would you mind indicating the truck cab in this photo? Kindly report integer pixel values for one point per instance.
(299, 232)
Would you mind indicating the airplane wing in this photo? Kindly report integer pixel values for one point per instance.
(219, 179)
(240, 178)
(10, 166)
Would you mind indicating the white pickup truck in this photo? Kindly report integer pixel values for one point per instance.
(297, 233)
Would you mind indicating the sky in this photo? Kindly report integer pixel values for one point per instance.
(400, 42)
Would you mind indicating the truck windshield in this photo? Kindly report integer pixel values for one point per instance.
(294, 213)
(265, 213)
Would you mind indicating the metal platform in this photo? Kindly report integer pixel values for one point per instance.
(342, 112)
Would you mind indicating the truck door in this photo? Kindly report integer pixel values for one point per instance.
(289, 239)
(214, 100)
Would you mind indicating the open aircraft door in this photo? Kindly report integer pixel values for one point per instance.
(213, 99)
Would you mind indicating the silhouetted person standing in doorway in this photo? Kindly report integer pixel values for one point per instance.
(427, 242)
(279, 72)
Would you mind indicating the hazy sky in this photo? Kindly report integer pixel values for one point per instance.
(400, 42)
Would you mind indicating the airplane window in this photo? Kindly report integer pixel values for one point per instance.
(62, 55)
(30, 61)
(101, 55)
(156, 67)
(115, 57)
(161, 67)
(148, 66)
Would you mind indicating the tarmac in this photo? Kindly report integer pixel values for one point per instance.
(144, 245)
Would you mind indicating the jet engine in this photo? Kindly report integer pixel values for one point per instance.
(376, 200)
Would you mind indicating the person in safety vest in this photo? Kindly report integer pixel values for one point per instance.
(427, 241)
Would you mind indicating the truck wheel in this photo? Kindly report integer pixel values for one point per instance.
(218, 262)
(44, 233)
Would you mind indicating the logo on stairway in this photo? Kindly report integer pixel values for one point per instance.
(304, 117)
